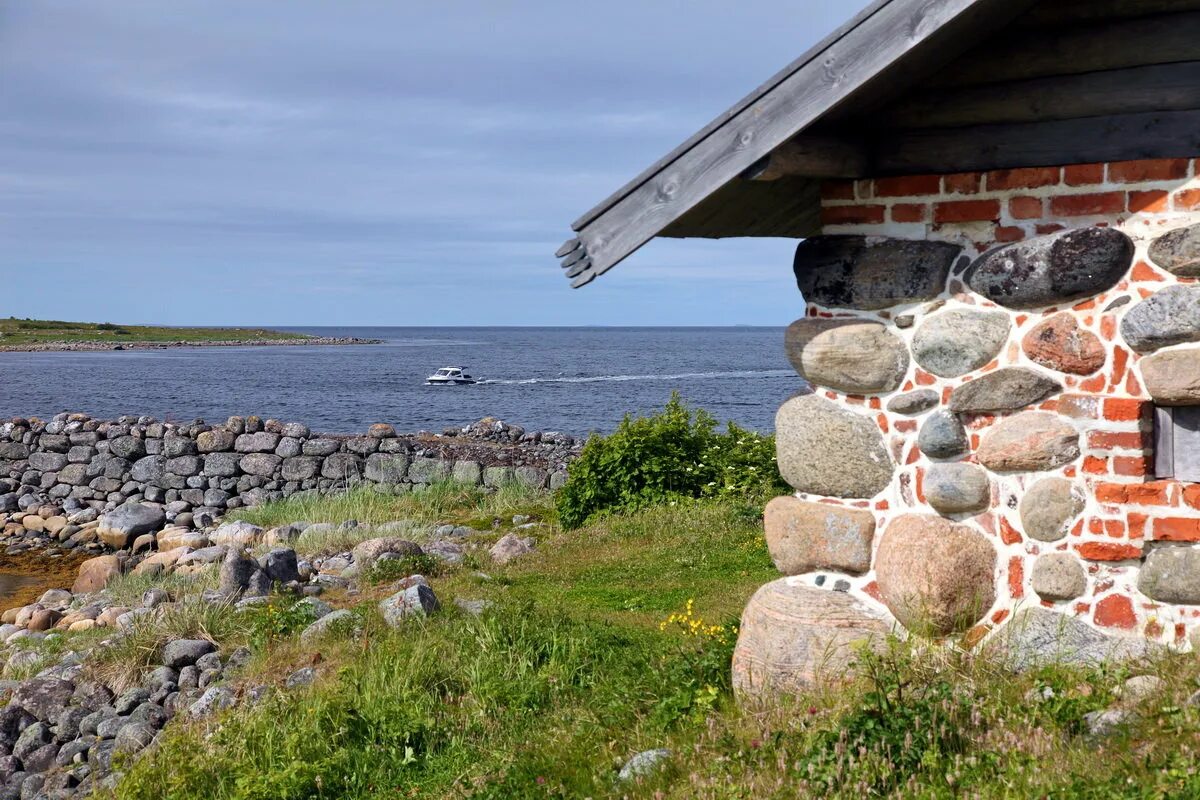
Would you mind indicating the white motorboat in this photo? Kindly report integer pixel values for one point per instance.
(449, 376)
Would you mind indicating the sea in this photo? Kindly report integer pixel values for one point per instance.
(573, 380)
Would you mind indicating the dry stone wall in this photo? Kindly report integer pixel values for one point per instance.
(985, 351)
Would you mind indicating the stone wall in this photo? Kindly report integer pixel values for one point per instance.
(984, 358)
(197, 471)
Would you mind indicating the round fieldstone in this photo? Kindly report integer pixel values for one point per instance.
(1005, 389)
(120, 526)
(942, 436)
(802, 537)
(957, 488)
(1058, 576)
(1178, 251)
(1049, 507)
(1169, 316)
(262, 464)
(934, 576)
(1060, 344)
(871, 273)
(913, 403)
(853, 356)
(1171, 575)
(954, 343)
(1173, 378)
(1031, 441)
(215, 441)
(793, 637)
(1056, 268)
(824, 449)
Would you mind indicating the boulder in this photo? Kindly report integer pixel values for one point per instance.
(643, 764)
(942, 436)
(171, 538)
(43, 697)
(237, 534)
(127, 447)
(1060, 344)
(793, 637)
(150, 469)
(1006, 389)
(119, 527)
(1052, 269)
(803, 537)
(1049, 507)
(418, 600)
(280, 565)
(47, 462)
(186, 652)
(386, 467)
(956, 342)
(468, 472)
(825, 449)
(510, 547)
(915, 402)
(260, 442)
(1169, 316)
(368, 552)
(957, 488)
(850, 355)
(936, 577)
(161, 562)
(215, 441)
(263, 465)
(1173, 378)
(871, 272)
(322, 627)
(236, 573)
(1178, 251)
(1058, 576)
(429, 470)
(300, 468)
(341, 466)
(1031, 441)
(321, 448)
(1171, 575)
(1037, 637)
(221, 465)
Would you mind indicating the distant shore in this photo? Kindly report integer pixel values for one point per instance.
(93, 346)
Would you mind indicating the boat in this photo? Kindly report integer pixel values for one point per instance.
(449, 376)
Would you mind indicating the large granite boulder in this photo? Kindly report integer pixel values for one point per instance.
(1173, 378)
(1037, 637)
(803, 537)
(825, 449)
(942, 436)
(936, 577)
(849, 355)
(122, 525)
(871, 273)
(1053, 269)
(1058, 576)
(1005, 389)
(957, 488)
(954, 343)
(1178, 251)
(368, 552)
(1169, 316)
(1171, 575)
(1049, 507)
(96, 573)
(793, 637)
(1060, 344)
(1031, 441)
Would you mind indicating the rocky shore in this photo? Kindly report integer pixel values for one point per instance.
(86, 347)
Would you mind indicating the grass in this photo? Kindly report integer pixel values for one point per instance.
(582, 661)
(17, 332)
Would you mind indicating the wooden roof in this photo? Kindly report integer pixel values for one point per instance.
(917, 86)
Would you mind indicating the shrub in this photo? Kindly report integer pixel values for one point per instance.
(676, 453)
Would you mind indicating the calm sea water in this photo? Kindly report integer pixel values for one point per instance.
(567, 379)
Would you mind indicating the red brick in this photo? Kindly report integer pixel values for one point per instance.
(852, 215)
(1049, 227)
(1108, 551)
(1025, 207)
(908, 186)
(910, 212)
(1083, 174)
(1108, 440)
(1132, 467)
(1149, 169)
(1151, 202)
(1114, 493)
(1187, 200)
(1087, 205)
(1120, 409)
(1191, 495)
(1177, 529)
(1006, 233)
(1095, 466)
(1150, 493)
(1115, 611)
(962, 182)
(1079, 406)
(1016, 577)
(967, 211)
(1137, 525)
(837, 190)
(1023, 178)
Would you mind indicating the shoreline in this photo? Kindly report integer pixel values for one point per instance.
(92, 347)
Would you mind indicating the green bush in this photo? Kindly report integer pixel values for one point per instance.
(676, 453)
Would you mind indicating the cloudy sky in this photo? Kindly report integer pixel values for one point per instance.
(309, 163)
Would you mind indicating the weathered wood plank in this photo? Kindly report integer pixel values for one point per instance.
(1022, 54)
(1062, 12)
(1173, 134)
(1161, 87)
(568, 246)
(813, 157)
(879, 41)
(788, 207)
(1164, 442)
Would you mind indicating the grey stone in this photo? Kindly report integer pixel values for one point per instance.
(280, 565)
(295, 430)
(956, 342)
(47, 462)
(1007, 389)
(238, 533)
(261, 464)
(342, 467)
(532, 477)
(365, 553)
(1028, 442)
(305, 676)
(473, 607)
(496, 477)
(221, 465)
(957, 488)
(127, 447)
(1169, 316)
(1171, 575)
(1178, 251)
(149, 469)
(1049, 507)
(1058, 576)
(1037, 637)
(1173, 378)
(261, 442)
(185, 652)
(325, 624)
(850, 355)
(446, 552)
(644, 763)
(120, 526)
(321, 447)
(215, 441)
(428, 470)
(1052, 269)
(942, 436)
(289, 447)
(214, 699)
(236, 572)
(1107, 722)
(386, 467)
(33, 737)
(418, 600)
(44, 698)
(510, 547)
(803, 537)
(176, 446)
(300, 468)
(824, 449)
(871, 273)
(134, 737)
(184, 465)
(468, 472)
(74, 475)
(259, 584)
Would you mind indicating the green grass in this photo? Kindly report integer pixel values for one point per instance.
(17, 332)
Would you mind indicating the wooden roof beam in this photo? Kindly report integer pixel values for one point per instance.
(811, 157)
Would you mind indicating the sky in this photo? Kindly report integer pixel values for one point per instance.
(226, 162)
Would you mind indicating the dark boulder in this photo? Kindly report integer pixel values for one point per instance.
(857, 272)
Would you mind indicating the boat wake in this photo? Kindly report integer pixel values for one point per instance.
(766, 373)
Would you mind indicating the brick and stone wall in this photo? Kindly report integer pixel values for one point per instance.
(985, 351)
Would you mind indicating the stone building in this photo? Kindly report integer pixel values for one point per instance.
(999, 207)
